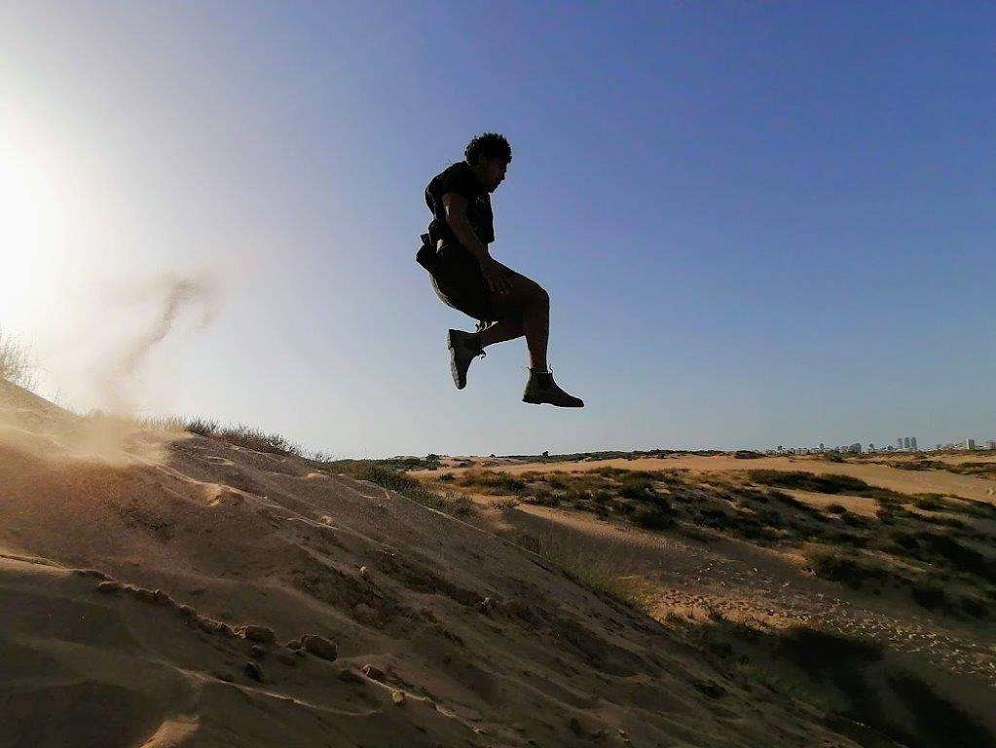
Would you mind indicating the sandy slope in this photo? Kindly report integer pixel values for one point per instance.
(128, 583)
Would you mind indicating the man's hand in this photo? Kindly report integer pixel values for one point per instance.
(496, 276)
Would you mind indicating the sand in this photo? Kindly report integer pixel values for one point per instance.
(166, 591)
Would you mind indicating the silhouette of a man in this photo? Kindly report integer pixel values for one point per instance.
(466, 277)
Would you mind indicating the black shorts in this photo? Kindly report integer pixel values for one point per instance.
(459, 283)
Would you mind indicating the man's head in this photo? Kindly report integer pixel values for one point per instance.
(489, 155)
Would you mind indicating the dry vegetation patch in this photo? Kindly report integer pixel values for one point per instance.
(933, 548)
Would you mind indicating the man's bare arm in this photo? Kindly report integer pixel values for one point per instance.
(456, 217)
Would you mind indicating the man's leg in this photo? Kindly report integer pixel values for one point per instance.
(528, 313)
(531, 302)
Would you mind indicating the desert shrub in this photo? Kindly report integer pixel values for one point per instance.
(837, 509)
(653, 517)
(447, 478)
(246, 437)
(504, 505)
(931, 503)
(610, 472)
(930, 594)
(557, 482)
(461, 506)
(638, 487)
(393, 480)
(770, 517)
(843, 537)
(831, 483)
(905, 541)
(202, 426)
(491, 481)
(959, 556)
(717, 518)
(601, 496)
(851, 570)
(542, 496)
(953, 522)
(854, 520)
(886, 515)
(16, 365)
(975, 606)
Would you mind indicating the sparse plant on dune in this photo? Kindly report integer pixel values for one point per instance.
(613, 574)
(16, 365)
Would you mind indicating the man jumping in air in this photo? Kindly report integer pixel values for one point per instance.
(506, 304)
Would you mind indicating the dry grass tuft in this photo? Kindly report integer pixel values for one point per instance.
(16, 364)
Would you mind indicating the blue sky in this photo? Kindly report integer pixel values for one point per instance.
(759, 224)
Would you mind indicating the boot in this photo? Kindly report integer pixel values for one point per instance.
(464, 347)
(542, 389)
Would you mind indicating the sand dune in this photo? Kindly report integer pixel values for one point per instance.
(228, 597)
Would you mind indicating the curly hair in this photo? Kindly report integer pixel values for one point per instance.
(488, 146)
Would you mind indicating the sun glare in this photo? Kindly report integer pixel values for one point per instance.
(34, 227)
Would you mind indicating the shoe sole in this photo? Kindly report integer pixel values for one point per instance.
(547, 402)
(453, 367)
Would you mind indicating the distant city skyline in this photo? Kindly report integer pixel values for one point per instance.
(903, 443)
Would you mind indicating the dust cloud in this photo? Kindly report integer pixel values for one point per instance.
(112, 434)
(173, 296)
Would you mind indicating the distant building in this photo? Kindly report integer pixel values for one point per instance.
(991, 444)
(913, 443)
(969, 444)
(899, 443)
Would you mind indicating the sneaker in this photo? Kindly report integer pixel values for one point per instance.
(542, 389)
(464, 348)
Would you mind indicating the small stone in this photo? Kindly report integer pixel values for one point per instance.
(320, 646)
(286, 658)
(109, 585)
(373, 672)
(90, 573)
(366, 615)
(486, 606)
(257, 651)
(710, 688)
(142, 594)
(260, 634)
(209, 625)
(364, 572)
(398, 698)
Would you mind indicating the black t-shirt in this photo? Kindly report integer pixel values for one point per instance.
(459, 178)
